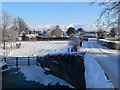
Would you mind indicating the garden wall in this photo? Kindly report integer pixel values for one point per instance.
(52, 38)
(69, 67)
(109, 43)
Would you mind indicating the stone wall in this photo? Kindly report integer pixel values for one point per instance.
(69, 67)
(52, 38)
(109, 44)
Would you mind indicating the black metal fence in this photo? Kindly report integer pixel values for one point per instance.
(16, 61)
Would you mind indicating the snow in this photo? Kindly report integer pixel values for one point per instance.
(109, 41)
(94, 75)
(10, 46)
(21, 34)
(111, 52)
(64, 27)
(1, 52)
(40, 48)
(63, 53)
(47, 69)
(2, 64)
(36, 73)
(95, 48)
(56, 62)
(31, 35)
(106, 58)
(9, 68)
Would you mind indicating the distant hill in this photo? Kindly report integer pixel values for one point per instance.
(64, 27)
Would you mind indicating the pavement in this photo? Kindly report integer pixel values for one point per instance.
(106, 58)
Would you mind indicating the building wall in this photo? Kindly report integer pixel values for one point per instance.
(48, 33)
(57, 32)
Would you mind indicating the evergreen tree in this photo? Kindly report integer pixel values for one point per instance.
(104, 35)
(81, 31)
(113, 32)
(71, 31)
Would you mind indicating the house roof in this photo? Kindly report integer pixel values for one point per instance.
(21, 33)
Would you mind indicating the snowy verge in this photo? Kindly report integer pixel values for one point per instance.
(2, 64)
(63, 53)
(37, 74)
(109, 40)
(94, 75)
(7, 69)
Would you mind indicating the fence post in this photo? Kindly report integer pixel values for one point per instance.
(5, 59)
(28, 61)
(17, 62)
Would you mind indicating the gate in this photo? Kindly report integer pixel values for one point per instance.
(17, 61)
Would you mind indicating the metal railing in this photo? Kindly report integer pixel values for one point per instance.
(16, 61)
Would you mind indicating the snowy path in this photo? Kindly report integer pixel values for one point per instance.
(107, 58)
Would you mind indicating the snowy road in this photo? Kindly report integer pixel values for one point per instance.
(107, 58)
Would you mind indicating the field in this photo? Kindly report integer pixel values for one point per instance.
(40, 48)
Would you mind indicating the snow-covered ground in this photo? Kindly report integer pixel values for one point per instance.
(1, 52)
(106, 58)
(2, 64)
(36, 73)
(9, 46)
(40, 48)
(109, 41)
(94, 75)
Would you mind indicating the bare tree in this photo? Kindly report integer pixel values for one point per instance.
(111, 11)
(6, 21)
(20, 24)
(0, 35)
(13, 35)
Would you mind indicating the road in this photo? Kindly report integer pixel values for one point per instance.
(107, 59)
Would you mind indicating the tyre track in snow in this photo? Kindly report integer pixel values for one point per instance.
(105, 52)
(107, 62)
